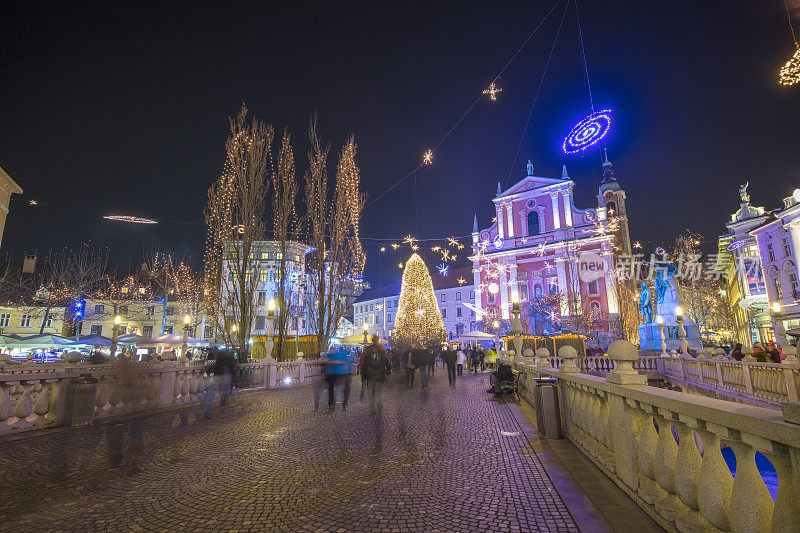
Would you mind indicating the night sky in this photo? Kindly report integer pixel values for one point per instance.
(121, 108)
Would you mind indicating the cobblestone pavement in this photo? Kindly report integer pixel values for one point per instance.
(436, 460)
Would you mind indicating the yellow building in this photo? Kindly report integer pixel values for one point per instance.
(7, 188)
(145, 318)
(27, 320)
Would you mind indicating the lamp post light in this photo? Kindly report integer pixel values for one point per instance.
(186, 327)
(496, 326)
(681, 330)
(114, 334)
(660, 322)
(517, 326)
(366, 332)
(777, 325)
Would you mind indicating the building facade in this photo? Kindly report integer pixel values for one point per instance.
(557, 258)
(7, 188)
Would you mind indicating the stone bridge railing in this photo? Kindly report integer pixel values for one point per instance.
(664, 448)
(764, 383)
(35, 396)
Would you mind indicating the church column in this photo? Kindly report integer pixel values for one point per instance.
(476, 280)
(510, 218)
(554, 203)
(500, 228)
(567, 195)
(611, 286)
(794, 231)
(562, 285)
(513, 286)
(503, 282)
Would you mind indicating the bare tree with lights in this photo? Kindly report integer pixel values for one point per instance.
(235, 221)
(332, 218)
(285, 229)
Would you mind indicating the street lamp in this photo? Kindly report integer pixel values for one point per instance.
(366, 331)
(186, 328)
(517, 326)
(681, 330)
(660, 322)
(114, 334)
(270, 343)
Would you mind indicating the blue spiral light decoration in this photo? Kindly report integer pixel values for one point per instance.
(588, 132)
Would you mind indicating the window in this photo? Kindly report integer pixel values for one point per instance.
(150, 311)
(611, 208)
(264, 275)
(167, 330)
(372, 319)
(471, 295)
(443, 297)
(595, 309)
(123, 310)
(396, 303)
(25, 320)
(458, 312)
(99, 309)
(248, 276)
(170, 310)
(490, 298)
(786, 250)
(389, 317)
(297, 258)
(264, 256)
(147, 331)
(592, 287)
(533, 223)
(96, 329)
(458, 296)
(522, 289)
(48, 322)
(770, 252)
(389, 304)
(262, 297)
(444, 313)
(793, 284)
(230, 275)
(261, 322)
(371, 307)
(279, 255)
(776, 283)
(5, 318)
(208, 332)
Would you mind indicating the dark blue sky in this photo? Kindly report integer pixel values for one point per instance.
(122, 108)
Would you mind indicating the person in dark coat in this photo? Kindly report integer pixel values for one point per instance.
(773, 354)
(408, 362)
(737, 352)
(421, 360)
(375, 370)
(449, 358)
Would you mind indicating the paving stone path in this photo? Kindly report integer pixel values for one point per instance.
(436, 460)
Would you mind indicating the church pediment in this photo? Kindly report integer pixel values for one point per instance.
(530, 183)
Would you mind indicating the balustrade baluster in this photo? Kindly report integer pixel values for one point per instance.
(666, 455)
(649, 490)
(786, 512)
(751, 503)
(716, 483)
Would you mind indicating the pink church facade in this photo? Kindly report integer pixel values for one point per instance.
(540, 244)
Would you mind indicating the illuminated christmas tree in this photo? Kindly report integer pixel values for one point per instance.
(418, 317)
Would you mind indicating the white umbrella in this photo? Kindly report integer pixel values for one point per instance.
(476, 335)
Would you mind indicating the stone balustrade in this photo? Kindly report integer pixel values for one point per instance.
(664, 448)
(35, 395)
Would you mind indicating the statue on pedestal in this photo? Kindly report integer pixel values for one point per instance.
(644, 304)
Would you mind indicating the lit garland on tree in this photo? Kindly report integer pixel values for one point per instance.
(418, 317)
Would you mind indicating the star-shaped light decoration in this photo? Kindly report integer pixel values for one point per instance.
(427, 158)
(461, 281)
(452, 241)
(383, 248)
(435, 248)
(445, 255)
(395, 246)
(443, 269)
(637, 244)
(410, 240)
(540, 249)
(492, 91)
(548, 266)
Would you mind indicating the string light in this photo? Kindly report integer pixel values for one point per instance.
(383, 248)
(492, 91)
(588, 132)
(399, 265)
(395, 246)
(128, 218)
(418, 319)
(790, 73)
(427, 157)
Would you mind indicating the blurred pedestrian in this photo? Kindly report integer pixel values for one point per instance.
(410, 368)
(449, 358)
(420, 358)
(736, 353)
(338, 371)
(375, 370)
(461, 360)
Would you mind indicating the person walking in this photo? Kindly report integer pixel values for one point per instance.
(420, 358)
(410, 368)
(461, 360)
(482, 359)
(375, 369)
(736, 353)
(474, 360)
(449, 358)
(490, 358)
(338, 369)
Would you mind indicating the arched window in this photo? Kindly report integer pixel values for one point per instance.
(533, 223)
(611, 207)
